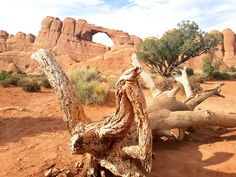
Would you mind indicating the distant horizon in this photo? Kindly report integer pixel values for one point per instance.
(143, 18)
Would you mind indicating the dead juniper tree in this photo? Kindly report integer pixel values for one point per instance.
(126, 135)
(167, 100)
(108, 140)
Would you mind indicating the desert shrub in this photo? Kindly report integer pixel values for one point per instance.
(112, 80)
(88, 85)
(86, 74)
(164, 84)
(211, 69)
(45, 83)
(195, 85)
(199, 78)
(220, 76)
(31, 86)
(4, 83)
(8, 79)
(232, 69)
(93, 92)
(5, 74)
(190, 72)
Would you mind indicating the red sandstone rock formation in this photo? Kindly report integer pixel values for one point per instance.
(229, 46)
(225, 51)
(3, 38)
(21, 42)
(74, 38)
(70, 40)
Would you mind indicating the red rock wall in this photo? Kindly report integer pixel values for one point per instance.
(74, 38)
(226, 51)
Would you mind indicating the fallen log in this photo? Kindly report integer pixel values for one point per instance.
(126, 135)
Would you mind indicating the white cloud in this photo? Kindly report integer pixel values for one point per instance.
(140, 17)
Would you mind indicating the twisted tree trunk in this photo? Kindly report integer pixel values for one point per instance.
(114, 143)
(109, 141)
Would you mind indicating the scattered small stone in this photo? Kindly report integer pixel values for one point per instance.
(55, 171)
(79, 165)
(48, 172)
(18, 159)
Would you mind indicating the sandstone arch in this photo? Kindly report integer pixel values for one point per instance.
(102, 38)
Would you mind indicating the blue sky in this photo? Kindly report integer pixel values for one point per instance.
(139, 17)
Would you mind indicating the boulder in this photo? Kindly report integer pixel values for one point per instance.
(219, 53)
(229, 44)
(3, 38)
(20, 42)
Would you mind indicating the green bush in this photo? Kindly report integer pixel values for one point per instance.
(190, 72)
(86, 74)
(45, 83)
(31, 86)
(199, 78)
(5, 74)
(211, 69)
(220, 76)
(195, 85)
(4, 83)
(88, 85)
(93, 92)
(232, 69)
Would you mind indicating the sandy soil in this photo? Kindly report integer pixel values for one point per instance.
(35, 138)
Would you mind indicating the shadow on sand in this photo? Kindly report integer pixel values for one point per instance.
(184, 159)
(12, 129)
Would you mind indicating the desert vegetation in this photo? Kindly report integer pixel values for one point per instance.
(28, 82)
(95, 138)
(176, 47)
(89, 86)
(143, 117)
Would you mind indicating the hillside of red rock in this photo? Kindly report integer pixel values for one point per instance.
(71, 41)
(33, 139)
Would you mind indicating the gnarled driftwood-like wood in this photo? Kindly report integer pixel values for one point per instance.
(103, 139)
(127, 134)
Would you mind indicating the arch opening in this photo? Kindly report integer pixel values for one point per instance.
(102, 38)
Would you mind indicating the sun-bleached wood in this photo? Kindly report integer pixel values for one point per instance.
(126, 135)
(105, 140)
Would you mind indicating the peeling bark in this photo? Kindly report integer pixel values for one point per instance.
(106, 140)
(165, 119)
(126, 135)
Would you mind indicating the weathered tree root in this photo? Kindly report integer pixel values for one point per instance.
(105, 140)
(110, 142)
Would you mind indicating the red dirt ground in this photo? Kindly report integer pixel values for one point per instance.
(35, 138)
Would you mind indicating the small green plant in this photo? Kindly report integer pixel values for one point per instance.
(190, 72)
(5, 74)
(221, 76)
(31, 86)
(89, 86)
(207, 66)
(211, 69)
(232, 69)
(4, 83)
